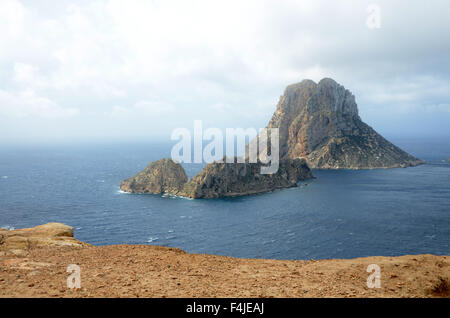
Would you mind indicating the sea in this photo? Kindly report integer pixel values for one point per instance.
(340, 214)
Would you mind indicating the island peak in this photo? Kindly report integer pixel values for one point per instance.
(320, 122)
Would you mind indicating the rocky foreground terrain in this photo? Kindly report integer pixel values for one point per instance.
(216, 179)
(33, 263)
(320, 122)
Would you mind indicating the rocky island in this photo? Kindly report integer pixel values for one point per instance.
(320, 122)
(216, 179)
(319, 127)
(162, 176)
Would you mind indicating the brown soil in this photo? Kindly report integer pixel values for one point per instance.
(150, 271)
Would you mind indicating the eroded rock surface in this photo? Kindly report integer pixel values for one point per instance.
(162, 176)
(320, 122)
(157, 271)
(236, 179)
(216, 179)
(21, 241)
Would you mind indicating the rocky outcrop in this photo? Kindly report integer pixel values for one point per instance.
(320, 122)
(216, 179)
(52, 234)
(237, 179)
(162, 176)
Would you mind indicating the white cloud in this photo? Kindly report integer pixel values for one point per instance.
(27, 104)
(142, 109)
(25, 73)
(12, 15)
(153, 107)
(217, 60)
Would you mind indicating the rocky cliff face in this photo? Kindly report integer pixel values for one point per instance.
(162, 176)
(320, 122)
(216, 179)
(236, 179)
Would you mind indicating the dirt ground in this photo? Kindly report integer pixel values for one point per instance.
(151, 271)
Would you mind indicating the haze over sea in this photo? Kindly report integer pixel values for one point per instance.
(341, 214)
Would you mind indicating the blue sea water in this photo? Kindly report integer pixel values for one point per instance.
(341, 214)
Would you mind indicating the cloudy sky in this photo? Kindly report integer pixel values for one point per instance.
(140, 68)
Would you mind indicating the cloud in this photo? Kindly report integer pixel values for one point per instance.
(25, 73)
(226, 62)
(27, 104)
(12, 15)
(142, 108)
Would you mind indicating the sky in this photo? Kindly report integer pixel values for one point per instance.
(111, 69)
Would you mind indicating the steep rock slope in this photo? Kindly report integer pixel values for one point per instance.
(320, 122)
(236, 179)
(162, 176)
